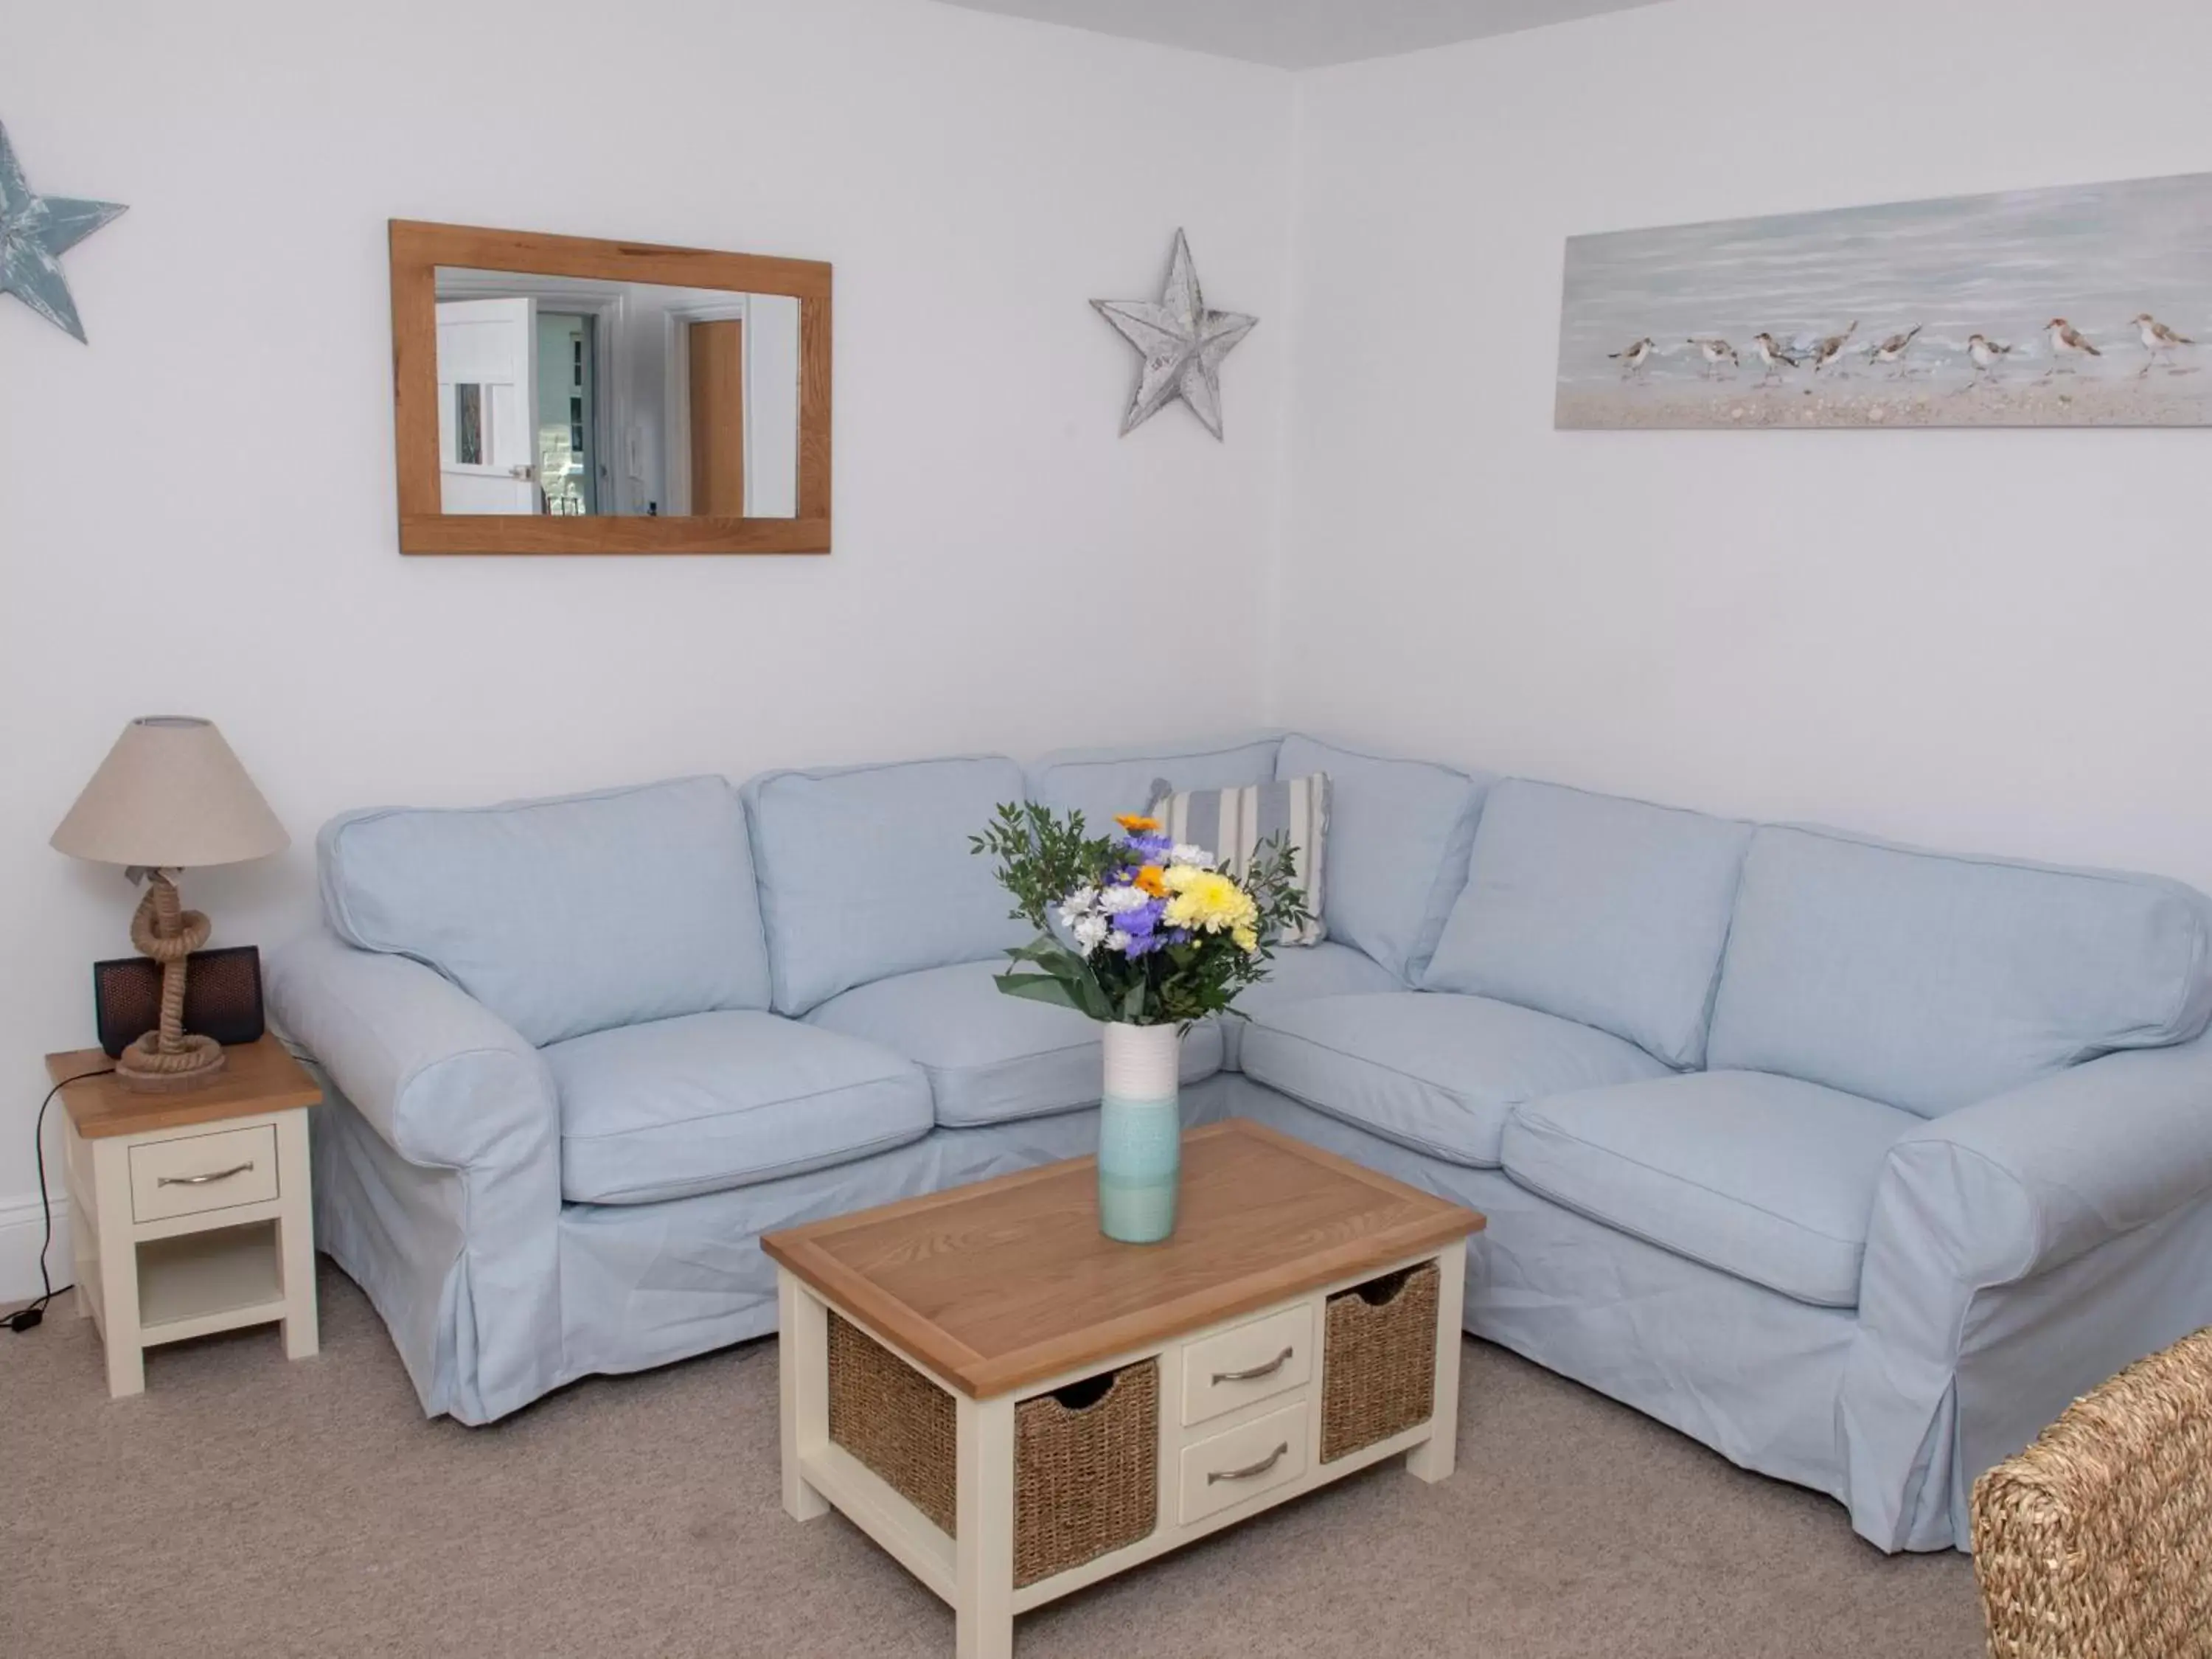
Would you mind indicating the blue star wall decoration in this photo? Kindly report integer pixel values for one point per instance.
(35, 231)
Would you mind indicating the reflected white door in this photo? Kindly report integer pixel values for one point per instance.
(487, 406)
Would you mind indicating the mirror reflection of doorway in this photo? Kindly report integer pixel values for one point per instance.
(718, 418)
(567, 446)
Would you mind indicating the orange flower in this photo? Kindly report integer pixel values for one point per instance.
(1137, 825)
(1151, 880)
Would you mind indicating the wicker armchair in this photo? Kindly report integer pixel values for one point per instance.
(2096, 1541)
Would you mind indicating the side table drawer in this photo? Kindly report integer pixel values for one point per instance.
(1259, 1357)
(194, 1173)
(1227, 1468)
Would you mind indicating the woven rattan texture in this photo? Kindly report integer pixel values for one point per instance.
(1086, 1477)
(1378, 1362)
(2096, 1541)
(895, 1420)
(1086, 1481)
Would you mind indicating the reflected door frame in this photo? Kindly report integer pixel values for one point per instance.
(608, 309)
(676, 326)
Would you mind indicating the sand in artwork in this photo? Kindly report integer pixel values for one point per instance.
(2084, 306)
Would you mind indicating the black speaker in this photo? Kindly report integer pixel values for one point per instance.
(222, 997)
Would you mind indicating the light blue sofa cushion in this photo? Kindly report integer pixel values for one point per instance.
(866, 872)
(1764, 1178)
(1327, 970)
(708, 1102)
(1607, 911)
(1931, 980)
(990, 1058)
(562, 916)
(1399, 832)
(1437, 1073)
(1100, 782)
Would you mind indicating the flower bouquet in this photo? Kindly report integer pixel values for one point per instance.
(1147, 937)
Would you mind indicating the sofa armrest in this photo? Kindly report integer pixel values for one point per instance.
(2020, 1251)
(444, 1081)
(2026, 1181)
(437, 1170)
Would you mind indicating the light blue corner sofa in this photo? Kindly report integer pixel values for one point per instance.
(1854, 1162)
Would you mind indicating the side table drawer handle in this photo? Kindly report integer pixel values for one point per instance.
(203, 1180)
(1253, 1373)
(1252, 1469)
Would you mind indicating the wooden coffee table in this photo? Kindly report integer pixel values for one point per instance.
(1015, 1406)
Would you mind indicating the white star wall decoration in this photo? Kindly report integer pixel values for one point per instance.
(1183, 345)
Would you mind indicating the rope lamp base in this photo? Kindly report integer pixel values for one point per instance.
(143, 1067)
(165, 1060)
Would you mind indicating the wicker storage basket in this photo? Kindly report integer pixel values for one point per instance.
(2096, 1541)
(1087, 1457)
(1378, 1360)
(894, 1419)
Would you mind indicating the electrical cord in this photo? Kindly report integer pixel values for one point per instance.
(28, 1317)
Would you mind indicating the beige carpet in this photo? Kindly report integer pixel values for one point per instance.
(246, 1507)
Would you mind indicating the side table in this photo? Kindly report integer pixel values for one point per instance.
(191, 1211)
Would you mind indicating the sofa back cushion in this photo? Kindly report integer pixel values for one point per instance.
(562, 916)
(1931, 980)
(866, 872)
(1399, 832)
(1100, 782)
(1607, 911)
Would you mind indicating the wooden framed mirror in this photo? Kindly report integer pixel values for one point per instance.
(557, 394)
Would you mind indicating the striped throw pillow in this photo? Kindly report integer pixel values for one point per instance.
(1231, 824)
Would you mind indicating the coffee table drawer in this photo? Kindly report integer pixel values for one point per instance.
(1242, 1462)
(202, 1172)
(1250, 1362)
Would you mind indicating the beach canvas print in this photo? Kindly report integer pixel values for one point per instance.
(2083, 305)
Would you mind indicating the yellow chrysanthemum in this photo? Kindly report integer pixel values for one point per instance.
(1247, 940)
(1207, 902)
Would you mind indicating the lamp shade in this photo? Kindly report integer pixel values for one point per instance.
(170, 795)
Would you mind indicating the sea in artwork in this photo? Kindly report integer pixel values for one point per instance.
(2080, 306)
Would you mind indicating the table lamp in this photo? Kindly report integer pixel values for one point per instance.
(170, 795)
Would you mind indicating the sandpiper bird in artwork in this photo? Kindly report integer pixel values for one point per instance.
(2159, 340)
(1893, 349)
(1775, 356)
(1717, 352)
(1832, 347)
(1632, 358)
(1985, 355)
(2067, 346)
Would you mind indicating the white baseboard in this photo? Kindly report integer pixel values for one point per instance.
(19, 1229)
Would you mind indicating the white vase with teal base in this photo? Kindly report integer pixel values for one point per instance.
(1141, 1133)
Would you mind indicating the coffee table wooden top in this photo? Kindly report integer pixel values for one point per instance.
(1005, 1282)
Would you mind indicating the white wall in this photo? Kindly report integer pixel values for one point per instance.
(1985, 640)
(197, 513)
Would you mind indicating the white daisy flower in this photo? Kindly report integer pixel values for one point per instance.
(1090, 931)
(1185, 851)
(1117, 940)
(1119, 901)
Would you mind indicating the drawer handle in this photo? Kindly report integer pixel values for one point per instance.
(1253, 1373)
(1250, 1470)
(203, 1180)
